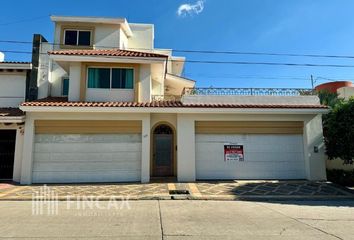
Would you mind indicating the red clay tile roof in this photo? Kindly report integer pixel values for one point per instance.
(11, 112)
(107, 52)
(62, 102)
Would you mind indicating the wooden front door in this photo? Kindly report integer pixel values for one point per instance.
(163, 151)
(7, 153)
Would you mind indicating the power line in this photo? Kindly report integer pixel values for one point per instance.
(211, 51)
(222, 62)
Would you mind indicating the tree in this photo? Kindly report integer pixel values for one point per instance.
(328, 98)
(338, 130)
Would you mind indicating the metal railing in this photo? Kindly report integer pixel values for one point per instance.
(249, 91)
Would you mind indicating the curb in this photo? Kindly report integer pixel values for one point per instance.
(194, 197)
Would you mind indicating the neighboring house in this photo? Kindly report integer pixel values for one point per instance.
(19, 82)
(116, 109)
(345, 90)
(13, 79)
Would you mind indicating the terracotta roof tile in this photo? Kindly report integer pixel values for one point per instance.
(62, 102)
(11, 112)
(107, 52)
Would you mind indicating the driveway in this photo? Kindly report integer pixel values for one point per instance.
(170, 220)
(209, 190)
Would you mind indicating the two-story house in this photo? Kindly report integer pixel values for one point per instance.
(116, 109)
(14, 77)
(19, 82)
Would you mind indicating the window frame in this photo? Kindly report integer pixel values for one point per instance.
(77, 36)
(76, 27)
(110, 78)
(62, 86)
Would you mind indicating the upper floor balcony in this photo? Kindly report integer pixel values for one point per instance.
(285, 96)
(248, 92)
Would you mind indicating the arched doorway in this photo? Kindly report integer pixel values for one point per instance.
(163, 151)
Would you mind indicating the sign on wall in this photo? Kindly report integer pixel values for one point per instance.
(233, 152)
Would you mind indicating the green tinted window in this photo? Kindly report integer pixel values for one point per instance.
(98, 78)
(122, 78)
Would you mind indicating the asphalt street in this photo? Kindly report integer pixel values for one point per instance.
(178, 219)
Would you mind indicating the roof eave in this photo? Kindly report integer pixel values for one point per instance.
(99, 20)
(119, 59)
(20, 66)
(175, 110)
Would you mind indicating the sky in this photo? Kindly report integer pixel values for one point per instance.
(324, 27)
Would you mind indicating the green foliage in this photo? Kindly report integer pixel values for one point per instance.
(338, 129)
(345, 178)
(328, 98)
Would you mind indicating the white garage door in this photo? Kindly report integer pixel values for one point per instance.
(63, 158)
(266, 156)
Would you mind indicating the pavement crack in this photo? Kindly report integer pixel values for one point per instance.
(160, 216)
(328, 220)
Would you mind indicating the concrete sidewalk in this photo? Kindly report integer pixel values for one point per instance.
(211, 190)
(186, 220)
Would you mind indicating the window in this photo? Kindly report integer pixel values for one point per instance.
(77, 37)
(65, 87)
(110, 78)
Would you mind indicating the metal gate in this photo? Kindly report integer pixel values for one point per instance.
(7, 153)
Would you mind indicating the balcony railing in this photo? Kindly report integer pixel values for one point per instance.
(249, 91)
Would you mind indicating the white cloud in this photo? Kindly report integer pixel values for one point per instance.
(190, 9)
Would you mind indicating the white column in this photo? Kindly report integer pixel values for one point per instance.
(145, 149)
(18, 154)
(185, 148)
(26, 169)
(145, 83)
(74, 82)
(315, 162)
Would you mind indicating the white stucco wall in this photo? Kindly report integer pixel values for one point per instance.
(123, 42)
(44, 71)
(338, 164)
(13, 88)
(109, 95)
(74, 82)
(313, 137)
(143, 36)
(106, 36)
(345, 92)
(56, 77)
(18, 154)
(145, 83)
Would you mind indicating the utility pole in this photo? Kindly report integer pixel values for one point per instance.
(312, 83)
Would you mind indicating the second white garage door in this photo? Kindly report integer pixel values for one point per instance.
(266, 156)
(272, 150)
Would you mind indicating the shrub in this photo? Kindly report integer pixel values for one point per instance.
(341, 177)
